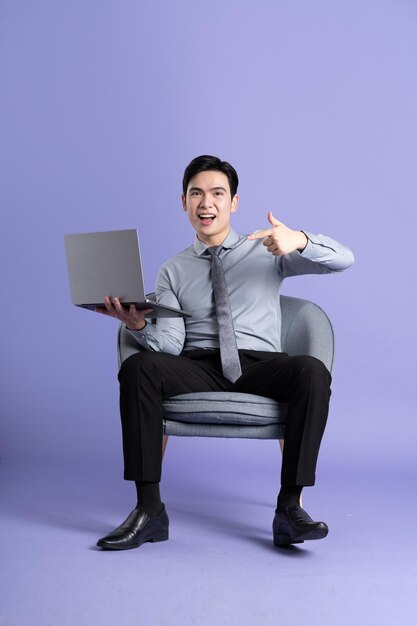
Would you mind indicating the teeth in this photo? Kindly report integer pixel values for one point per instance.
(205, 215)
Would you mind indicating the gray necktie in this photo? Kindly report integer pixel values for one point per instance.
(228, 347)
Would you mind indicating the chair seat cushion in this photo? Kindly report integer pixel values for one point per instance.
(218, 407)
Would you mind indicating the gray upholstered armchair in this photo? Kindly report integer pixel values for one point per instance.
(306, 329)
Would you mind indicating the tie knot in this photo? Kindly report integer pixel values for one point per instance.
(214, 250)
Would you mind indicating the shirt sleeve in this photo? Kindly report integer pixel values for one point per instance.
(168, 333)
(322, 255)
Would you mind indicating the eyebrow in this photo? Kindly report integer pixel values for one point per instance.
(212, 189)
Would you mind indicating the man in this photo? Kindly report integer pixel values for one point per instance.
(230, 284)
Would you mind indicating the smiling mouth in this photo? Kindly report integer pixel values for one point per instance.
(206, 218)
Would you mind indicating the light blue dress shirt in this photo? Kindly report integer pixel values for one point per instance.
(253, 277)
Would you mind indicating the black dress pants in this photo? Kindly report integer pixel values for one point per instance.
(147, 378)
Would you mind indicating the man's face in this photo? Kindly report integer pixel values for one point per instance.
(209, 204)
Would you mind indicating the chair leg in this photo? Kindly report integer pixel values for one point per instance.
(164, 444)
(281, 444)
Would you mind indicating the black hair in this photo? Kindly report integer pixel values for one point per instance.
(205, 163)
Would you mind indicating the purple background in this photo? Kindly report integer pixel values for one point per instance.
(102, 105)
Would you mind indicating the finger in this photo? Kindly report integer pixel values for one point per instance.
(268, 241)
(273, 220)
(260, 234)
(108, 304)
(270, 244)
(117, 305)
(274, 248)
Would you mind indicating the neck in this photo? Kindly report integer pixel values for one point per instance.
(215, 240)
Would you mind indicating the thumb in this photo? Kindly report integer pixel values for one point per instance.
(272, 220)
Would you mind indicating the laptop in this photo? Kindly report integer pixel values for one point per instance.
(108, 264)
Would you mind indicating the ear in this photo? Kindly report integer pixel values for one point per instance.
(235, 202)
(184, 205)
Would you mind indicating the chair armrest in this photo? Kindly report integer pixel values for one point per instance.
(306, 329)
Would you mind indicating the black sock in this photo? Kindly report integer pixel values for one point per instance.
(149, 498)
(289, 494)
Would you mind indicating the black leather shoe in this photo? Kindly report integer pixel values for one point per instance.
(137, 528)
(294, 525)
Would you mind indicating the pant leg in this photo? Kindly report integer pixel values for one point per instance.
(146, 379)
(304, 383)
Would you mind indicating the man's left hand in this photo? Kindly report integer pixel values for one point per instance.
(280, 239)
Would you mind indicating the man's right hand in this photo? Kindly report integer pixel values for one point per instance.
(133, 318)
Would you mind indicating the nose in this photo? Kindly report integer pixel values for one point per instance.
(206, 201)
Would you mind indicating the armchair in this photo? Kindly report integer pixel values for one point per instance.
(306, 329)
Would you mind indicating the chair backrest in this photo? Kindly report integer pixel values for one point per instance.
(305, 329)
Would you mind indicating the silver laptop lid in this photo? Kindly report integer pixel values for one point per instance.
(104, 264)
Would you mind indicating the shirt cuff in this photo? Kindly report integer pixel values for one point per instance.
(143, 337)
(308, 241)
(308, 244)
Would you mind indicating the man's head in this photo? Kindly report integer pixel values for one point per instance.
(206, 162)
(209, 197)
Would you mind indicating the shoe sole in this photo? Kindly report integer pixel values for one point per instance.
(161, 536)
(318, 533)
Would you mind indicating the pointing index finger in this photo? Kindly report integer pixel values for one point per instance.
(261, 234)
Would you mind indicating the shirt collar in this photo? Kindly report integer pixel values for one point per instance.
(230, 242)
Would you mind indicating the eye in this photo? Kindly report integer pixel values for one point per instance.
(195, 193)
(219, 193)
